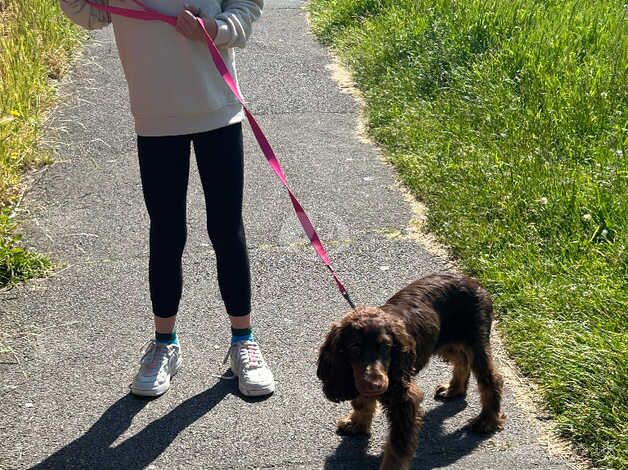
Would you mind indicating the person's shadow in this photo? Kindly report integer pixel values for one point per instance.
(92, 449)
(436, 449)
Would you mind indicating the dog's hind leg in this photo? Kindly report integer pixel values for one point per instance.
(457, 386)
(405, 421)
(360, 419)
(490, 383)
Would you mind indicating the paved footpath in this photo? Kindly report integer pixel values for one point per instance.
(77, 334)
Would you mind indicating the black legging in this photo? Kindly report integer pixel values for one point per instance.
(164, 168)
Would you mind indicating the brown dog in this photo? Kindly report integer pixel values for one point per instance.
(373, 353)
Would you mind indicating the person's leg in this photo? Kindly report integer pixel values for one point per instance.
(165, 325)
(239, 322)
(220, 161)
(164, 169)
(219, 157)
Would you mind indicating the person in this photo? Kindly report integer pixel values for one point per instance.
(179, 99)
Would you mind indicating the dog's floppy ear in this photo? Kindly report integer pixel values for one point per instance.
(403, 353)
(334, 369)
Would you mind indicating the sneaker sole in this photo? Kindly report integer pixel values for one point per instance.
(257, 392)
(156, 392)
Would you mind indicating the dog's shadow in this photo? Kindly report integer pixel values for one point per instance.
(93, 449)
(436, 448)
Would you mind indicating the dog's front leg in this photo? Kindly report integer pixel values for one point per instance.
(405, 420)
(360, 419)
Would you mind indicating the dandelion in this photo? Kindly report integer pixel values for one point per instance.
(543, 201)
(604, 233)
(586, 217)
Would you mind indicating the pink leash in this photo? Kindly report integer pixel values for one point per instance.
(150, 15)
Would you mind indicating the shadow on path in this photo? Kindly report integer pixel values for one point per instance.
(92, 449)
(436, 449)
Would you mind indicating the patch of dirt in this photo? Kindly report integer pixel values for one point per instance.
(345, 82)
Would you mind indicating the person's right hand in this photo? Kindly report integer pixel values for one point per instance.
(188, 25)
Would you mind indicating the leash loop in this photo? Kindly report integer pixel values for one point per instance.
(147, 14)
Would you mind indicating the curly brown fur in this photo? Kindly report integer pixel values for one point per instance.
(373, 353)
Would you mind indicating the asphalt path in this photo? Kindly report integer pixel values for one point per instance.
(75, 336)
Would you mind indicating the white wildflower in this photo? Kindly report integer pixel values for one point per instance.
(586, 217)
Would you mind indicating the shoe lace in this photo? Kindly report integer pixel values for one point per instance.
(249, 354)
(153, 356)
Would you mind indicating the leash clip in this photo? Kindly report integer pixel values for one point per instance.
(347, 297)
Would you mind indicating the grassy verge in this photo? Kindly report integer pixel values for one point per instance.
(508, 120)
(36, 43)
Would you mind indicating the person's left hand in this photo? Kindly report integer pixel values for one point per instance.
(188, 25)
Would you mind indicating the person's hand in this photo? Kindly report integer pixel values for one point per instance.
(188, 25)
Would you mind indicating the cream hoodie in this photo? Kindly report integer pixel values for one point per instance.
(174, 87)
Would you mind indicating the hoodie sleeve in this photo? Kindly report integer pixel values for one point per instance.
(235, 22)
(83, 14)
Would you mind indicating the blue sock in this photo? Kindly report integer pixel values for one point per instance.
(167, 338)
(241, 334)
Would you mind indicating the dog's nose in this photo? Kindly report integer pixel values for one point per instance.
(376, 387)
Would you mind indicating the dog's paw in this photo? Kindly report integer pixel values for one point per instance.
(487, 423)
(445, 392)
(347, 426)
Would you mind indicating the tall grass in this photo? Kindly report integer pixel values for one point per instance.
(36, 43)
(508, 119)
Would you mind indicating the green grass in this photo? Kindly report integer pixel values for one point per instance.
(36, 44)
(508, 118)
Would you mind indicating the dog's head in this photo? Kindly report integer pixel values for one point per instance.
(365, 353)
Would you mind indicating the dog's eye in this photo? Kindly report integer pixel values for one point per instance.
(384, 347)
(354, 349)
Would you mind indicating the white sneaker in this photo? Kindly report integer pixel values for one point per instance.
(158, 364)
(247, 363)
